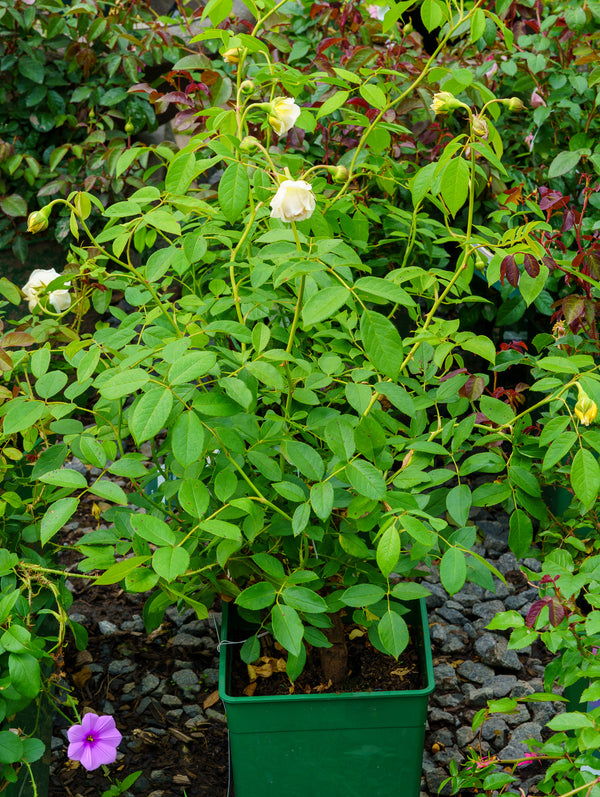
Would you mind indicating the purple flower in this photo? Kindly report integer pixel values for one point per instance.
(94, 742)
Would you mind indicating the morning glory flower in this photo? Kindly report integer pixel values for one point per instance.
(94, 742)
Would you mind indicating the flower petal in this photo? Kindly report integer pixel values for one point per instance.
(76, 733)
(77, 749)
(103, 754)
(104, 723)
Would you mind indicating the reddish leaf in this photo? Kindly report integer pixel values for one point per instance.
(550, 262)
(532, 267)
(358, 101)
(140, 88)
(450, 374)
(534, 611)
(509, 270)
(17, 339)
(329, 42)
(6, 364)
(553, 199)
(573, 308)
(473, 388)
(569, 219)
(557, 612)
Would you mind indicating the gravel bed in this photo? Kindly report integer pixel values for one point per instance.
(161, 687)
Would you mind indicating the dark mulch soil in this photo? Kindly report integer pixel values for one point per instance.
(368, 671)
(194, 762)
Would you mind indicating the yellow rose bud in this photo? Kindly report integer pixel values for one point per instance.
(249, 144)
(247, 87)
(129, 128)
(514, 104)
(283, 114)
(444, 101)
(585, 409)
(38, 220)
(232, 56)
(338, 173)
(480, 127)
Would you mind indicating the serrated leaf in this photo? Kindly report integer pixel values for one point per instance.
(170, 563)
(585, 477)
(150, 414)
(123, 384)
(563, 163)
(194, 497)
(366, 479)
(304, 600)
(152, 529)
(393, 633)
(388, 550)
(362, 595)
(65, 477)
(56, 516)
(324, 304)
(373, 95)
(321, 499)
(339, 436)
(118, 571)
(234, 188)
(104, 488)
(382, 342)
(458, 503)
(454, 184)
(306, 459)
(453, 570)
(520, 536)
(287, 628)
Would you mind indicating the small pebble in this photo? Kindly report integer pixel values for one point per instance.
(107, 628)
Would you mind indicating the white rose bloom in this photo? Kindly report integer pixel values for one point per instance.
(294, 201)
(37, 283)
(283, 114)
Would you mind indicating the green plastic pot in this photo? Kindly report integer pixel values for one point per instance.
(327, 745)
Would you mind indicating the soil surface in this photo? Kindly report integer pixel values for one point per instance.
(368, 671)
(176, 758)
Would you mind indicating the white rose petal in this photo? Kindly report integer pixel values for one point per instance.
(37, 283)
(294, 201)
(283, 114)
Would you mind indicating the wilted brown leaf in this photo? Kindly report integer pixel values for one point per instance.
(82, 676)
(211, 699)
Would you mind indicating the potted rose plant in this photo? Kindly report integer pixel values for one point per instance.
(314, 461)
